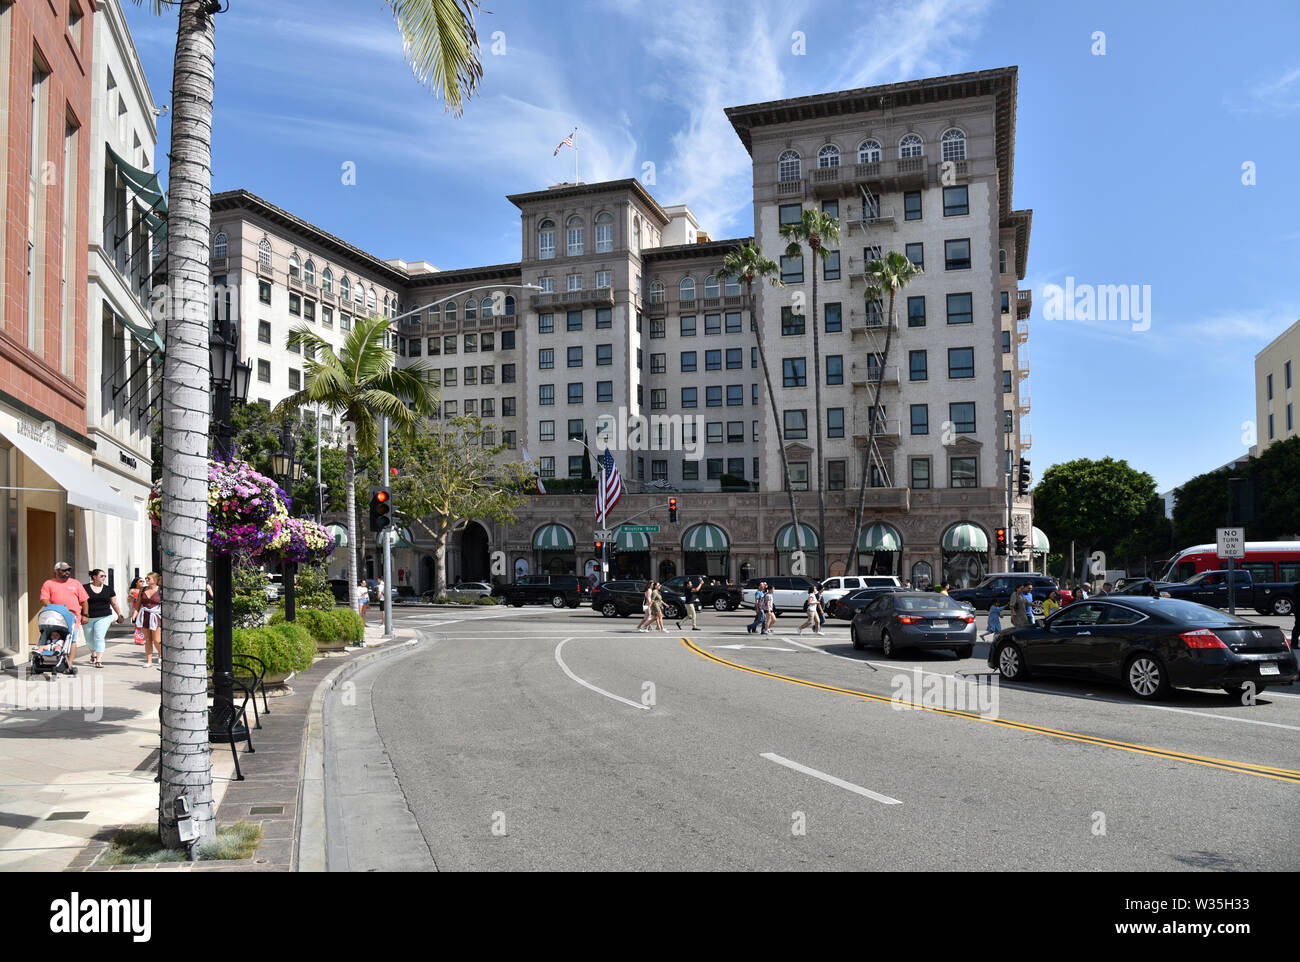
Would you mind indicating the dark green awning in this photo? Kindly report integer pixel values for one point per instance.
(148, 189)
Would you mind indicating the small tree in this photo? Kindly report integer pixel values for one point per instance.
(447, 474)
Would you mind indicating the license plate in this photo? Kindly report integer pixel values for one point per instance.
(939, 624)
(1269, 668)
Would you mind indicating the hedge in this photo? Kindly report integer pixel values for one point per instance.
(284, 648)
(341, 624)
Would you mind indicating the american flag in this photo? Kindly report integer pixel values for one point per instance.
(566, 142)
(610, 488)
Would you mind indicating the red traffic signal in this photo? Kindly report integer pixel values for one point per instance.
(1002, 536)
(672, 510)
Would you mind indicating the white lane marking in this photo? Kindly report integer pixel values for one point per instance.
(1203, 714)
(839, 782)
(756, 647)
(587, 684)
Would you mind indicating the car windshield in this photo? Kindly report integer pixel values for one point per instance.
(1190, 613)
(930, 603)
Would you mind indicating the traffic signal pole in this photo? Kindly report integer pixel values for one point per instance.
(386, 537)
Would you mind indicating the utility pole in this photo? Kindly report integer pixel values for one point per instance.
(386, 537)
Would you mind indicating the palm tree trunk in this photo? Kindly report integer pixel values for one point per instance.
(771, 404)
(817, 415)
(354, 522)
(871, 436)
(185, 756)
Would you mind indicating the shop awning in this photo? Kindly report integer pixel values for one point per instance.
(965, 537)
(1041, 544)
(402, 538)
(339, 534)
(879, 537)
(149, 339)
(785, 539)
(706, 537)
(553, 537)
(633, 540)
(84, 488)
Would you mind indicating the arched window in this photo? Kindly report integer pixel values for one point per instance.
(386, 311)
(309, 272)
(510, 305)
(451, 311)
(1002, 261)
(219, 245)
(911, 146)
(435, 312)
(686, 289)
(327, 281)
(656, 292)
(636, 233)
(471, 310)
(485, 307)
(828, 156)
(546, 239)
(732, 288)
(953, 144)
(604, 233)
(787, 166)
(295, 266)
(711, 286)
(345, 288)
(264, 252)
(573, 236)
(370, 300)
(869, 152)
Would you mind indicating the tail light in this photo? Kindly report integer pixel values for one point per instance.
(1201, 638)
(907, 619)
(969, 619)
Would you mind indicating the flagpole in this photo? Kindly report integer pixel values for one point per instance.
(575, 155)
(604, 521)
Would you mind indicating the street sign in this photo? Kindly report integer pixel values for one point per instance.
(641, 528)
(602, 534)
(1231, 542)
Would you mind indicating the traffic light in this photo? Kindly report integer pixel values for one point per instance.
(672, 510)
(1020, 543)
(1026, 477)
(598, 545)
(1002, 540)
(381, 509)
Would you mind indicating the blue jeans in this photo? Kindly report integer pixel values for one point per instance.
(760, 620)
(97, 630)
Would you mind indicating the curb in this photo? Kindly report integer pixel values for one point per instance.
(309, 850)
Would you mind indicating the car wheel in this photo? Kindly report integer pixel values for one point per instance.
(853, 637)
(557, 601)
(1011, 663)
(887, 647)
(963, 651)
(1146, 678)
(609, 609)
(671, 613)
(719, 604)
(517, 604)
(1282, 605)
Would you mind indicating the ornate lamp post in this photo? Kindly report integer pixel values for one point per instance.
(230, 378)
(287, 469)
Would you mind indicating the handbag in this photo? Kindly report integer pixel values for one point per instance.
(139, 635)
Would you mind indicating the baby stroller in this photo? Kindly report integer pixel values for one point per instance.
(50, 656)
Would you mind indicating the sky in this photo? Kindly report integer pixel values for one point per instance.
(1155, 143)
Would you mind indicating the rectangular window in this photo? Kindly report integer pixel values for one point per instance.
(1006, 342)
(546, 244)
(471, 405)
(545, 323)
(575, 357)
(486, 341)
(1268, 380)
(471, 375)
(713, 360)
(912, 205)
(688, 360)
(295, 304)
(831, 208)
(920, 472)
(546, 430)
(604, 318)
(917, 366)
(835, 369)
(264, 371)
(1286, 375)
(450, 377)
(713, 432)
(507, 374)
(264, 332)
(573, 282)
(960, 309)
(735, 395)
(1006, 382)
(471, 343)
(714, 468)
(736, 433)
(798, 476)
(690, 397)
(604, 238)
(962, 415)
(604, 280)
(794, 372)
(434, 347)
(573, 241)
(489, 407)
(604, 354)
(450, 409)
(546, 358)
(1006, 302)
(733, 322)
(690, 470)
(688, 325)
(736, 467)
(264, 291)
(956, 254)
(575, 465)
(916, 311)
(920, 419)
(575, 428)
(574, 321)
(790, 214)
(791, 269)
(658, 470)
(834, 318)
(546, 465)
(605, 392)
(835, 422)
(658, 399)
(546, 395)
(508, 438)
(639, 355)
(796, 425)
(831, 266)
(712, 323)
(735, 358)
(916, 254)
(327, 315)
(414, 346)
(295, 379)
(547, 285)
(713, 396)
(791, 323)
(658, 327)
(961, 362)
(962, 473)
(507, 340)
(658, 363)
(309, 311)
(575, 392)
(955, 201)
(1008, 422)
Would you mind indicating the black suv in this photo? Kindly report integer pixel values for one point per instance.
(997, 588)
(559, 591)
(714, 594)
(623, 598)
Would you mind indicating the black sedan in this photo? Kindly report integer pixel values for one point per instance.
(914, 619)
(624, 598)
(1149, 645)
(850, 604)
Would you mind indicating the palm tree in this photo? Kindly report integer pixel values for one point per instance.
(361, 382)
(442, 47)
(748, 264)
(816, 228)
(894, 272)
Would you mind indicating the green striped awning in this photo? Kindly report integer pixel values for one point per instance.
(706, 537)
(402, 538)
(1041, 544)
(879, 537)
(553, 537)
(339, 534)
(633, 540)
(785, 539)
(965, 537)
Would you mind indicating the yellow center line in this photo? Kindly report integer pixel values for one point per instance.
(1245, 768)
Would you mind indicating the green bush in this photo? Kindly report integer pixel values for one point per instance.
(322, 625)
(312, 589)
(352, 629)
(284, 648)
(249, 603)
(487, 601)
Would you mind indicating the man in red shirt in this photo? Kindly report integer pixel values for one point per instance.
(65, 590)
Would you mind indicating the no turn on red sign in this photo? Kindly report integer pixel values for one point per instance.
(1231, 542)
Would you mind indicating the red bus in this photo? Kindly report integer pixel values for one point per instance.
(1267, 561)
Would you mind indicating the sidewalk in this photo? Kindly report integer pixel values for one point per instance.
(78, 758)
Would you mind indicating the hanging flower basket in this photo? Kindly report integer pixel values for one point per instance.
(299, 540)
(245, 509)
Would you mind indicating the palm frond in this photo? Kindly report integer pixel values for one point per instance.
(442, 46)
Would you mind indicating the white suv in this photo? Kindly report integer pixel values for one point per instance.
(833, 589)
(789, 593)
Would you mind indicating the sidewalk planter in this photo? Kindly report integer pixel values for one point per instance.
(286, 649)
(329, 630)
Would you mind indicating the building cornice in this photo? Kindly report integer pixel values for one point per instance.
(718, 248)
(493, 272)
(1021, 220)
(564, 191)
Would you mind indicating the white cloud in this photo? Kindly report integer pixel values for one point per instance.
(908, 41)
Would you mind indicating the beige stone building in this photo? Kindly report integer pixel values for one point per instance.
(1275, 393)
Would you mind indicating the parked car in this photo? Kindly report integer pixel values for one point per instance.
(624, 598)
(559, 591)
(470, 591)
(1211, 588)
(790, 593)
(845, 608)
(997, 587)
(715, 594)
(1148, 645)
(841, 586)
(914, 619)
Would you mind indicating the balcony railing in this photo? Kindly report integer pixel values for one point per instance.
(1024, 403)
(265, 270)
(790, 188)
(1024, 304)
(1022, 331)
(866, 376)
(881, 215)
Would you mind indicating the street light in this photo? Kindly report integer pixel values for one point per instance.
(287, 469)
(387, 539)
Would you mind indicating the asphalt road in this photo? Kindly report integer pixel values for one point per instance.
(525, 739)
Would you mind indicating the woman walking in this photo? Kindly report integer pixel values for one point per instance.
(648, 612)
(363, 598)
(821, 612)
(133, 604)
(657, 606)
(101, 609)
(810, 612)
(995, 621)
(149, 618)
